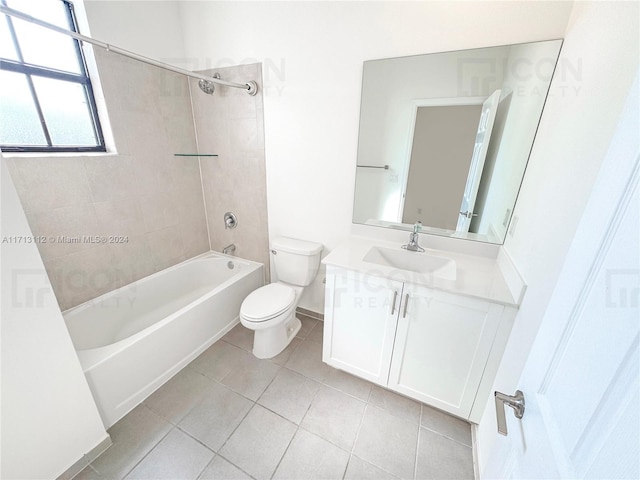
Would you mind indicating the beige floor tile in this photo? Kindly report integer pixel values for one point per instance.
(442, 458)
(316, 333)
(311, 457)
(348, 384)
(133, 437)
(388, 442)
(240, 336)
(284, 356)
(218, 360)
(289, 395)
(251, 376)
(179, 395)
(259, 442)
(220, 469)
(177, 456)
(395, 404)
(307, 324)
(216, 417)
(335, 416)
(446, 425)
(358, 469)
(307, 360)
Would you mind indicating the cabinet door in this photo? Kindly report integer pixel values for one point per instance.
(441, 347)
(360, 323)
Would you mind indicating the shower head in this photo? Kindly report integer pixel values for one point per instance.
(206, 86)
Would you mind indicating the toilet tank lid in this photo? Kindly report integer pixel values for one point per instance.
(293, 245)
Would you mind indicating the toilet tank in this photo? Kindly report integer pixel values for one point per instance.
(296, 261)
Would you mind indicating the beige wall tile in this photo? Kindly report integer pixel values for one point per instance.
(143, 192)
(230, 123)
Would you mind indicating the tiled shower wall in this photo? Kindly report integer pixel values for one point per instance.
(231, 124)
(143, 192)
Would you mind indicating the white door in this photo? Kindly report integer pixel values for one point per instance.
(361, 312)
(485, 127)
(581, 382)
(441, 348)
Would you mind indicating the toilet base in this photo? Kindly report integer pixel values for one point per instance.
(269, 342)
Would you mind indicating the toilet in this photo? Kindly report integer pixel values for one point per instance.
(270, 310)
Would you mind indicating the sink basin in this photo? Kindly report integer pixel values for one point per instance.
(413, 261)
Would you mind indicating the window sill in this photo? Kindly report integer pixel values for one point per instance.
(57, 154)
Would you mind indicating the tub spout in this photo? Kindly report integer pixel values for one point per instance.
(229, 249)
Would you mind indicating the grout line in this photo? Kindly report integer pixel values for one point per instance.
(206, 466)
(152, 448)
(231, 463)
(415, 461)
(446, 436)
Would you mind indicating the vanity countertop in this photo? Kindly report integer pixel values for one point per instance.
(476, 276)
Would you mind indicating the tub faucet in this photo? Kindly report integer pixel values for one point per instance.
(229, 249)
(413, 239)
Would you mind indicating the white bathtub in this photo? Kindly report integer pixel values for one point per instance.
(132, 340)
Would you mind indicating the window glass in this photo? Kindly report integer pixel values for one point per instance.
(19, 121)
(46, 99)
(7, 48)
(66, 111)
(40, 46)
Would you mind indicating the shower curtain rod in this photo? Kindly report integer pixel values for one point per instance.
(251, 87)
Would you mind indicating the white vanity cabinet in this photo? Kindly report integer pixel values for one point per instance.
(440, 348)
(359, 338)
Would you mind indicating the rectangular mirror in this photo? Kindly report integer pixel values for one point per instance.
(445, 138)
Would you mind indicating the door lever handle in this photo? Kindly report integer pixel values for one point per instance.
(469, 214)
(514, 401)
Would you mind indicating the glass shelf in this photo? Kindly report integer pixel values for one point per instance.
(195, 155)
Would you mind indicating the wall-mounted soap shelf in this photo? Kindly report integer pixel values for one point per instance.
(195, 155)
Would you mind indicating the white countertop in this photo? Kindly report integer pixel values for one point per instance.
(476, 276)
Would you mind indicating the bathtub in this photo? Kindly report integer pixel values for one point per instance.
(132, 340)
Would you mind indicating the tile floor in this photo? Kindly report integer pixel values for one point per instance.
(228, 415)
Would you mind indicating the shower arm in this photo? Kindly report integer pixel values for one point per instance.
(251, 87)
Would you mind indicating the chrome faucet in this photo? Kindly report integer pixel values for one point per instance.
(413, 239)
(229, 249)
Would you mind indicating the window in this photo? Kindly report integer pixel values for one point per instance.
(46, 99)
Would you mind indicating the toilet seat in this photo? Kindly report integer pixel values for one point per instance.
(267, 302)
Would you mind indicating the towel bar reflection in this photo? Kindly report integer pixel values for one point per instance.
(386, 167)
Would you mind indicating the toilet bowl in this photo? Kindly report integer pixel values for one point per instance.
(270, 310)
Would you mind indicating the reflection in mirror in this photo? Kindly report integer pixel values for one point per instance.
(445, 138)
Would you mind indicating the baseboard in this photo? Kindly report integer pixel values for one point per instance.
(86, 459)
(310, 314)
(474, 451)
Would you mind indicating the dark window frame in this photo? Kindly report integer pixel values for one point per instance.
(82, 78)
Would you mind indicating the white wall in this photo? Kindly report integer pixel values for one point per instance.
(574, 134)
(49, 419)
(313, 54)
(150, 28)
(526, 84)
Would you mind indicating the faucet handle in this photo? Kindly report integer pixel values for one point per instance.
(417, 227)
